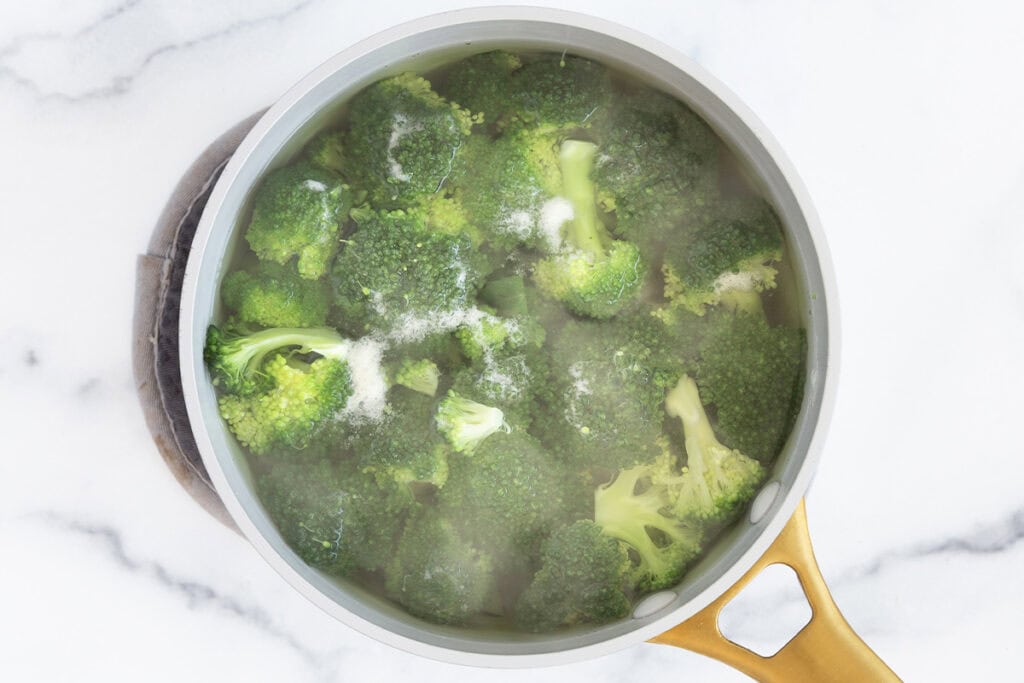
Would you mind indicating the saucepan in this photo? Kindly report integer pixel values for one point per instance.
(775, 529)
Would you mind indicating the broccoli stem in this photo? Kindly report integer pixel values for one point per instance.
(586, 233)
(246, 353)
(683, 401)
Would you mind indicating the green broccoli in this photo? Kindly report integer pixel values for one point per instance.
(419, 375)
(558, 94)
(404, 448)
(403, 140)
(509, 381)
(334, 517)
(581, 580)
(482, 83)
(717, 479)
(603, 405)
(301, 397)
(394, 268)
(275, 296)
(298, 211)
(466, 423)
(437, 575)
(752, 373)
(508, 187)
(636, 509)
(326, 151)
(596, 276)
(726, 259)
(508, 495)
(657, 167)
(235, 360)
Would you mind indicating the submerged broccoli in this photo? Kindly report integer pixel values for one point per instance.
(482, 83)
(657, 167)
(558, 94)
(404, 448)
(752, 373)
(604, 400)
(298, 211)
(393, 268)
(581, 580)
(466, 423)
(596, 276)
(403, 140)
(436, 574)
(508, 495)
(634, 508)
(326, 150)
(725, 260)
(334, 517)
(275, 296)
(717, 479)
(285, 401)
(419, 375)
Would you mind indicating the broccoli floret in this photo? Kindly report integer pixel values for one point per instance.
(657, 166)
(510, 381)
(727, 259)
(635, 508)
(403, 140)
(275, 296)
(394, 267)
(466, 423)
(436, 574)
(717, 480)
(300, 399)
(508, 495)
(334, 517)
(581, 580)
(507, 187)
(506, 295)
(603, 404)
(298, 211)
(482, 83)
(419, 375)
(235, 360)
(326, 151)
(752, 373)
(404, 448)
(558, 93)
(596, 276)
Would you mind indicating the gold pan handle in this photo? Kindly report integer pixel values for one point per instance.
(826, 650)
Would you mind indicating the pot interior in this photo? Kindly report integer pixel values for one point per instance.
(421, 46)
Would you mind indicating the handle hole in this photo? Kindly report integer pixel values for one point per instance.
(767, 613)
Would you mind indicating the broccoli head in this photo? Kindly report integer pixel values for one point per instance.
(297, 212)
(657, 166)
(235, 360)
(636, 509)
(752, 373)
(275, 296)
(403, 140)
(436, 574)
(604, 400)
(717, 480)
(394, 267)
(465, 423)
(726, 259)
(403, 449)
(508, 495)
(419, 375)
(558, 94)
(482, 83)
(326, 151)
(301, 397)
(334, 517)
(581, 580)
(595, 276)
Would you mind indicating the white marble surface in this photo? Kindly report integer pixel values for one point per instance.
(904, 119)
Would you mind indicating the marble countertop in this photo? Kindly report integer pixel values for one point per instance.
(904, 120)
